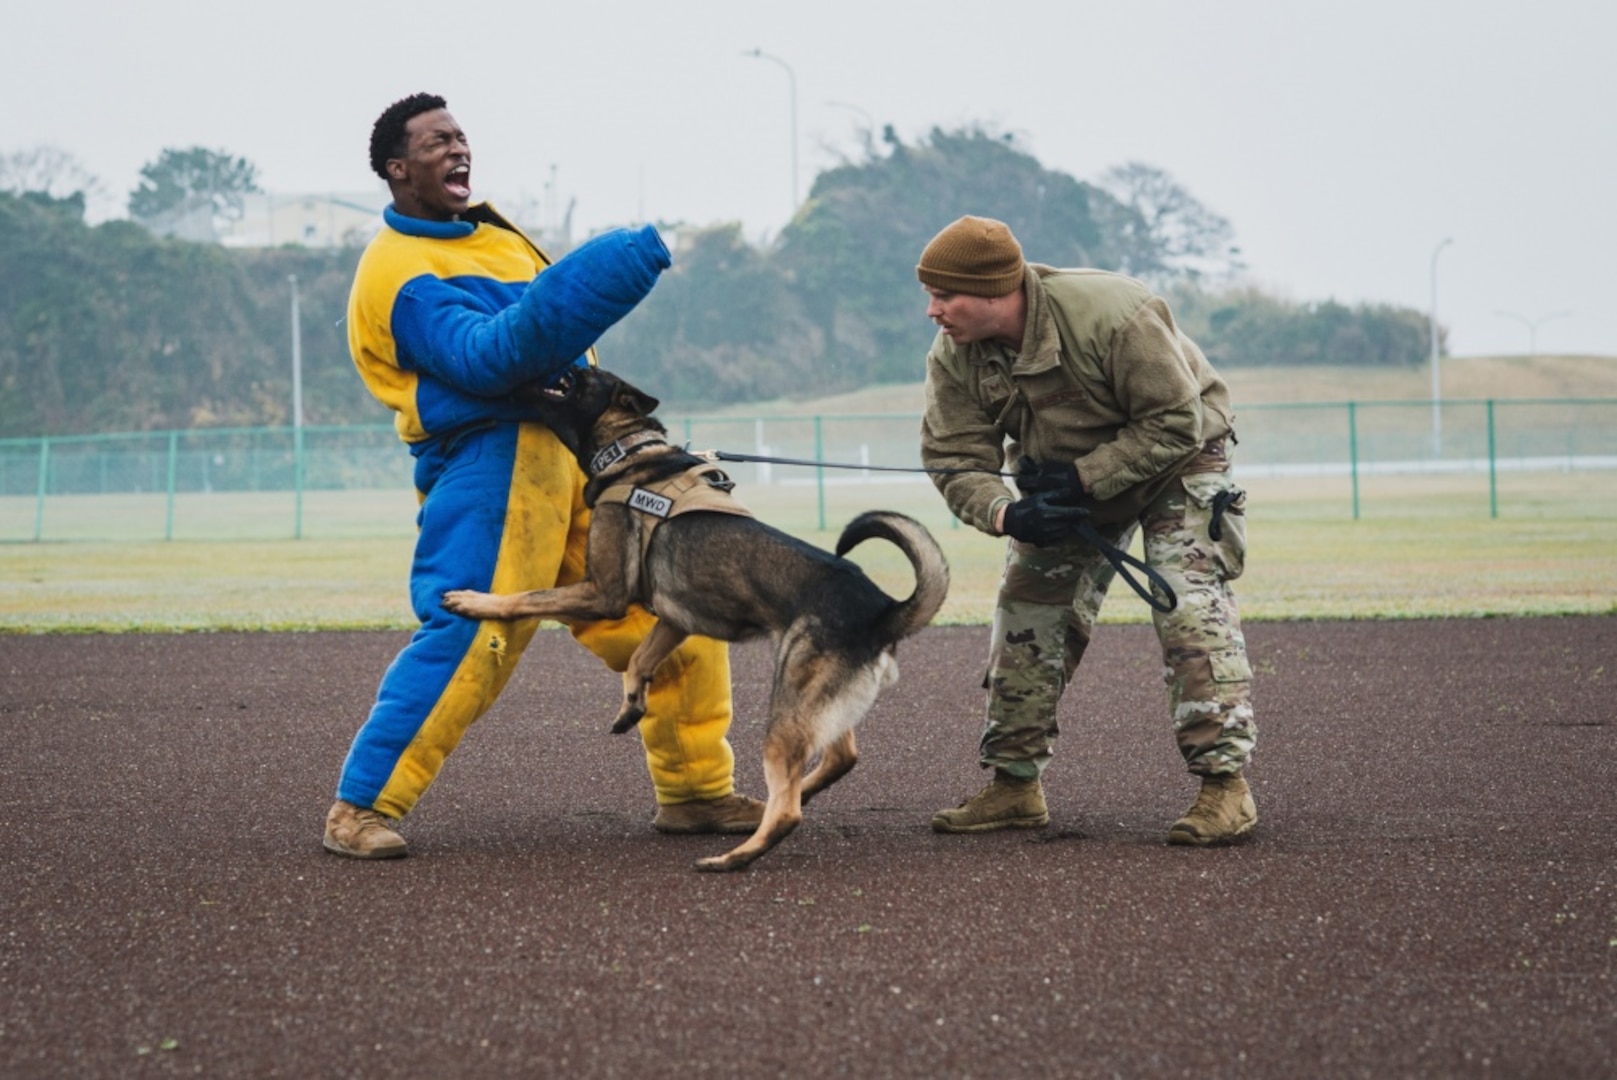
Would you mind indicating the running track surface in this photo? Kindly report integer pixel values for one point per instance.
(1432, 890)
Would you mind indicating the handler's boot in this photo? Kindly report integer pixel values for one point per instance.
(1223, 811)
(362, 833)
(1006, 803)
(733, 813)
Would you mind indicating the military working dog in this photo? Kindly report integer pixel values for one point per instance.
(664, 533)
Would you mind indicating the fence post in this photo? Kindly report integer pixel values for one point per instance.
(44, 483)
(297, 482)
(1493, 467)
(819, 470)
(1353, 453)
(173, 472)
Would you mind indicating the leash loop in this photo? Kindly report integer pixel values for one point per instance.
(1122, 561)
(1221, 503)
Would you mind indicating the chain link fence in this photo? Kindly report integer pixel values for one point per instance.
(1483, 459)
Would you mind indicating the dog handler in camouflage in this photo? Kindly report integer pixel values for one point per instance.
(1084, 380)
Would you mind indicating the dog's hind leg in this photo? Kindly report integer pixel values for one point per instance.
(819, 698)
(847, 706)
(839, 758)
(786, 750)
(653, 649)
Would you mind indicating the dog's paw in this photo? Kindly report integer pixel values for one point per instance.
(628, 718)
(465, 602)
(721, 864)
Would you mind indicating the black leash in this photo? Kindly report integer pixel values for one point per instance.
(725, 455)
(1121, 561)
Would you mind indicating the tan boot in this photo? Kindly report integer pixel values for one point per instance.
(1223, 811)
(1006, 803)
(362, 833)
(726, 814)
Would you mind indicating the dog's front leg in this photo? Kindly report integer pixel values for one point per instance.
(613, 559)
(584, 601)
(652, 651)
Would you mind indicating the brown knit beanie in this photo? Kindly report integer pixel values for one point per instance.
(976, 256)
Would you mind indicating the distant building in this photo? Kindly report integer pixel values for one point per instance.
(317, 221)
(191, 220)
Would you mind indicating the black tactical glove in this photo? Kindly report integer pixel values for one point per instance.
(1041, 520)
(1058, 478)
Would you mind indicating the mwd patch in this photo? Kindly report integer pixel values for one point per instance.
(650, 502)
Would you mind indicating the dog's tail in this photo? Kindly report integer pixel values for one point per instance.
(931, 568)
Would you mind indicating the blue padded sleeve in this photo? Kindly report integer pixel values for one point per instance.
(488, 350)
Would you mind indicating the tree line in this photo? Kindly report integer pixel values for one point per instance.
(110, 327)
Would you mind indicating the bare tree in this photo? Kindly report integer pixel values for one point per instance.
(50, 171)
(1167, 233)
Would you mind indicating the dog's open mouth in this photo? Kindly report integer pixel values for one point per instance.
(562, 388)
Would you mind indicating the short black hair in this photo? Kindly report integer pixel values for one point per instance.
(388, 137)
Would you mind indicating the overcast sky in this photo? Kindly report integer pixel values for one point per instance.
(1343, 141)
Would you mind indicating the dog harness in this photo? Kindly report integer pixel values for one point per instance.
(702, 487)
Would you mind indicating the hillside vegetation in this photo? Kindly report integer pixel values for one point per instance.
(108, 328)
(1464, 378)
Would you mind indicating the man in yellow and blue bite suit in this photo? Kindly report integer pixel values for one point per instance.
(451, 308)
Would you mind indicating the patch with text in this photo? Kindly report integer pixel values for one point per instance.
(650, 502)
(607, 455)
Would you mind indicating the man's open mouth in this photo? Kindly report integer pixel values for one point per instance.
(459, 181)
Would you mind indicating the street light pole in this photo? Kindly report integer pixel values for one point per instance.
(1437, 359)
(791, 76)
(297, 356)
(297, 413)
(1532, 327)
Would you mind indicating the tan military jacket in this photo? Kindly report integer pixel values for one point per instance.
(1104, 379)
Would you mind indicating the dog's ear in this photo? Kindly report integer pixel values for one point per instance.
(636, 400)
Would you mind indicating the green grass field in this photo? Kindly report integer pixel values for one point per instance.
(1420, 546)
(1421, 554)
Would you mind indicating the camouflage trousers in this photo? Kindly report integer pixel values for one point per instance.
(1046, 611)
